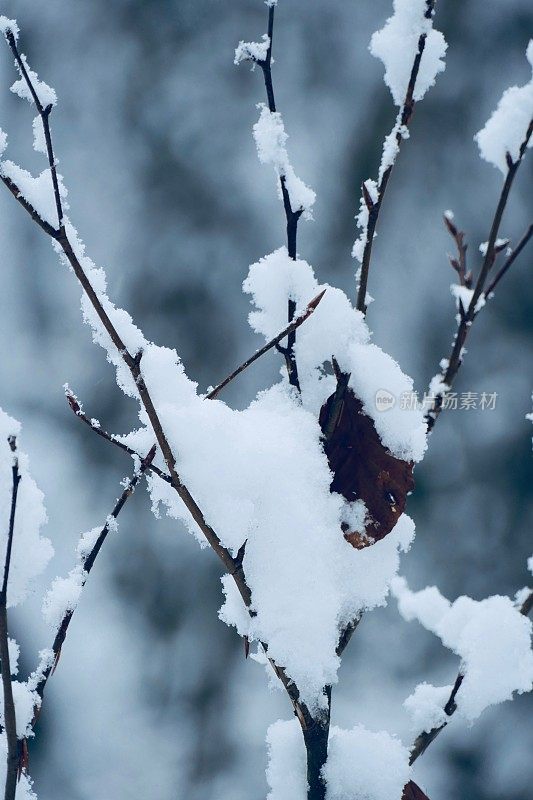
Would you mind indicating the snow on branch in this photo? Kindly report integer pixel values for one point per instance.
(26, 554)
(397, 45)
(270, 139)
(491, 637)
(9, 26)
(503, 135)
(360, 764)
(412, 52)
(252, 51)
(256, 484)
(31, 552)
(62, 598)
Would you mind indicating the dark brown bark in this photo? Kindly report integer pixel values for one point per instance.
(10, 719)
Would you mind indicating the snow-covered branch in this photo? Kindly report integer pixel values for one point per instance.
(503, 142)
(270, 138)
(492, 638)
(63, 597)
(412, 52)
(301, 494)
(9, 715)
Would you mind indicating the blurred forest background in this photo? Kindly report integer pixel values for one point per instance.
(153, 697)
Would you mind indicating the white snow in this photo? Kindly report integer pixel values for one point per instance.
(7, 25)
(506, 128)
(437, 386)
(286, 770)
(498, 244)
(63, 596)
(3, 141)
(233, 611)
(363, 765)
(25, 784)
(87, 542)
(396, 44)
(46, 660)
(45, 93)
(39, 140)
(334, 329)
(25, 700)
(260, 475)
(252, 51)
(521, 596)
(270, 139)
(31, 552)
(530, 564)
(362, 219)
(426, 706)
(14, 655)
(38, 191)
(463, 297)
(490, 636)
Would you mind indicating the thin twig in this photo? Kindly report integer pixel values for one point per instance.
(34, 214)
(272, 343)
(10, 720)
(44, 113)
(88, 563)
(374, 207)
(424, 739)
(347, 633)
(292, 217)
(467, 318)
(97, 428)
(509, 261)
(459, 263)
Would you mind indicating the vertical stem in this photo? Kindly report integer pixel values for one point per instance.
(316, 737)
(10, 721)
(292, 217)
(404, 119)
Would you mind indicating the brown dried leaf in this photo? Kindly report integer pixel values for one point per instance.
(363, 469)
(413, 792)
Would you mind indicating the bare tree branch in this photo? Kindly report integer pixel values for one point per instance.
(44, 113)
(88, 564)
(312, 305)
(467, 318)
(374, 207)
(10, 720)
(292, 217)
(509, 261)
(76, 407)
(17, 194)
